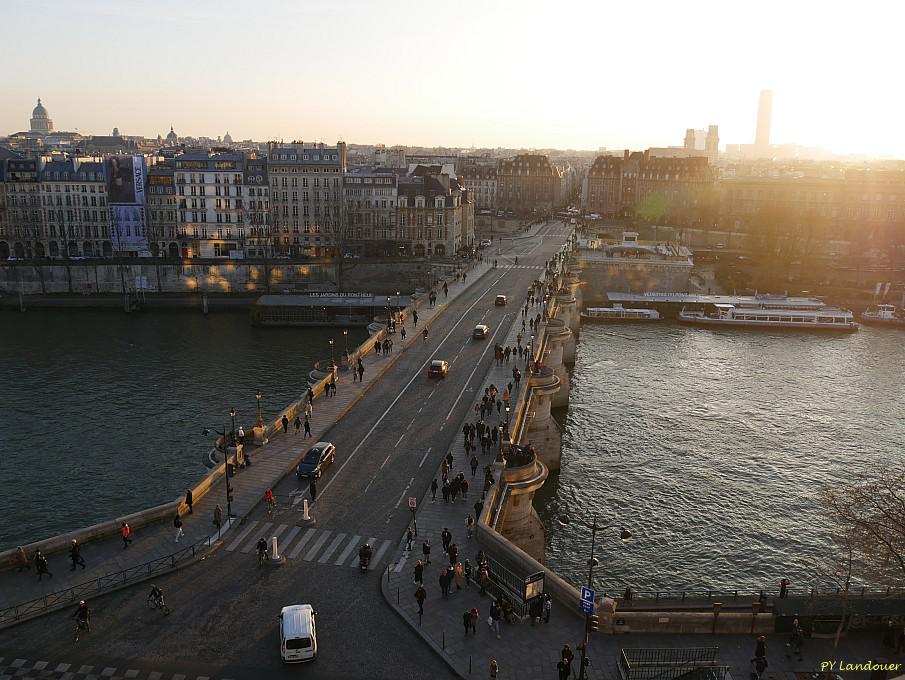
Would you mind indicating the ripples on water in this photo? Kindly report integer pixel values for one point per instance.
(711, 446)
(102, 412)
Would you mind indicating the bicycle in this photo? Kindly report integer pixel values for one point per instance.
(262, 557)
(81, 624)
(271, 507)
(158, 603)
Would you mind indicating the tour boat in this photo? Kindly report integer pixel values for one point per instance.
(719, 315)
(883, 315)
(617, 314)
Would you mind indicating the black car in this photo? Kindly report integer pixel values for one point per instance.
(318, 457)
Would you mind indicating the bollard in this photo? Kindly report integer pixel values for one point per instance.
(469, 664)
(305, 515)
(274, 552)
(397, 594)
(444, 639)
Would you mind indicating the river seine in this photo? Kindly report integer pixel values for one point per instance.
(711, 447)
(102, 412)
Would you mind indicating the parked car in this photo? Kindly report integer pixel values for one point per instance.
(438, 369)
(316, 460)
(501, 300)
(480, 331)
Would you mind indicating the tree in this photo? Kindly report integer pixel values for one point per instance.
(872, 513)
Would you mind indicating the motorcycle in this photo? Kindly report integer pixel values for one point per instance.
(363, 563)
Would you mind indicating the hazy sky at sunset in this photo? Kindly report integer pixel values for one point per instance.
(564, 74)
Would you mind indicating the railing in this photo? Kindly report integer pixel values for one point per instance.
(508, 584)
(669, 662)
(747, 594)
(102, 584)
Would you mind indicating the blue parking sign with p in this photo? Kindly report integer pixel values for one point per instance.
(587, 595)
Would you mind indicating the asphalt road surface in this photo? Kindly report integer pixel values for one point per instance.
(389, 447)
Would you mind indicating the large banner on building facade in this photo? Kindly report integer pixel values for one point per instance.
(126, 198)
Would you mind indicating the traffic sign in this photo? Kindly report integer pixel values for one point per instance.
(587, 595)
(586, 607)
(413, 503)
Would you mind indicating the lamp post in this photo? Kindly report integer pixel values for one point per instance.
(332, 359)
(232, 414)
(258, 396)
(346, 340)
(625, 535)
(398, 301)
(229, 491)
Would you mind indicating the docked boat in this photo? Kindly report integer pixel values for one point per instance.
(722, 315)
(883, 315)
(618, 314)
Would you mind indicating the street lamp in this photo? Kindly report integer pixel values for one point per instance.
(232, 414)
(258, 396)
(229, 491)
(625, 535)
(332, 360)
(346, 340)
(397, 302)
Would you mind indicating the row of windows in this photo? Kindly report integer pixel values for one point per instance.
(305, 157)
(48, 200)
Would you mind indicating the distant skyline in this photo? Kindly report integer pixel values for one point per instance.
(530, 74)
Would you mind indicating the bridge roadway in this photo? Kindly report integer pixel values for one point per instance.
(389, 447)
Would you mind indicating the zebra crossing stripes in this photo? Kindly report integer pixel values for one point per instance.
(292, 534)
(381, 551)
(334, 544)
(344, 555)
(301, 544)
(371, 542)
(253, 540)
(317, 545)
(241, 537)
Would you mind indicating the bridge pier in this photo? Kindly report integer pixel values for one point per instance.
(543, 431)
(519, 522)
(558, 334)
(567, 310)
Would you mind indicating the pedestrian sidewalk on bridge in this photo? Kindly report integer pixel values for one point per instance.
(269, 464)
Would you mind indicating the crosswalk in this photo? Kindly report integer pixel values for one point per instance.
(520, 266)
(310, 544)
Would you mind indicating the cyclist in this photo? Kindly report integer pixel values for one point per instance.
(262, 548)
(83, 616)
(364, 555)
(156, 595)
(424, 334)
(268, 496)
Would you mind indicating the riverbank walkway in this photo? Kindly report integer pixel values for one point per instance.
(526, 652)
(270, 463)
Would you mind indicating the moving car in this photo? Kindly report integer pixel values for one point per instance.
(438, 369)
(318, 457)
(480, 331)
(298, 633)
(500, 301)
(485, 243)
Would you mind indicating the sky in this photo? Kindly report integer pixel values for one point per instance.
(485, 73)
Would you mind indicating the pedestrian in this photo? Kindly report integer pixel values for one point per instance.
(126, 532)
(449, 459)
(446, 537)
(499, 406)
(307, 427)
(784, 588)
(361, 371)
(408, 540)
(478, 507)
(311, 394)
(444, 584)
(297, 423)
(468, 572)
(466, 621)
(75, 554)
(795, 640)
(547, 607)
(285, 422)
(22, 559)
(189, 500)
(218, 517)
(463, 487)
(419, 573)
(760, 649)
(41, 565)
(494, 669)
(459, 575)
(420, 596)
(426, 551)
(454, 486)
(434, 487)
(474, 465)
(495, 614)
(402, 333)
(567, 656)
(760, 665)
(309, 410)
(178, 524)
(483, 577)
(536, 609)
(469, 526)
(445, 483)
(563, 670)
(415, 318)
(312, 489)
(517, 376)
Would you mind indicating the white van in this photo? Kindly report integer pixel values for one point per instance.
(298, 635)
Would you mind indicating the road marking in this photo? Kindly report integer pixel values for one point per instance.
(383, 463)
(301, 544)
(399, 440)
(383, 549)
(368, 486)
(424, 458)
(476, 365)
(420, 409)
(418, 372)
(371, 541)
(334, 544)
(317, 545)
(241, 537)
(404, 491)
(344, 555)
(401, 562)
(251, 543)
(278, 531)
(292, 534)
(410, 426)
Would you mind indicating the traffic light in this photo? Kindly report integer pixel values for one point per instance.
(594, 623)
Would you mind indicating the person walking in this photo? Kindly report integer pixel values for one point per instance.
(125, 531)
(426, 551)
(41, 565)
(434, 487)
(463, 487)
(75, 554)
(797, 637)
(445, 490)
(402, 333)
(285, 422)
(760, 649)
(483, 577)
(494, 668)
(567, 657)
(459, 575)
(419, 573)
(563, 669)
(495, 614)
(22, 559)
(444, 584)
(312, 489)
(309, 410)
(474, 464)
(189, 500)
(361, 371)
(467, 621)
(547, 607)
(218, 517)
(310, 396)
(784, 588)
(469, 526)
(298, 424)
(421, 596)
(178, 524)
(478, 508)
(446, 537)
(307, 427)
(408, 540)
(415, 318)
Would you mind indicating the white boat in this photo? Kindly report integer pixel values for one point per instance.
(882, 315)
(617, 313)
(719, 315)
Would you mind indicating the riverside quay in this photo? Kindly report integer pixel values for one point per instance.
(382, 526)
